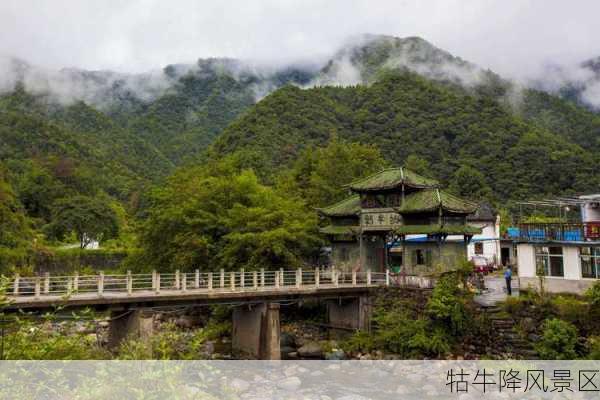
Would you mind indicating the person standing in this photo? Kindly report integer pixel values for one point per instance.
(508, 279)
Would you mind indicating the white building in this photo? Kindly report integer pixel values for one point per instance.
(561, 257)
(487, 243)
(560, 267)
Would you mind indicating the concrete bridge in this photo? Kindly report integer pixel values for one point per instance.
(131, 298)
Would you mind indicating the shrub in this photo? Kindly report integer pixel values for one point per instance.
(447, 304)
(558, 340)
(514, 305)
(435, 344)
(360, 342)
(593, 294)
(593, 344)
(571, 309)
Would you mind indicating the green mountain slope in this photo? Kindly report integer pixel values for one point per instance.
(404, 114)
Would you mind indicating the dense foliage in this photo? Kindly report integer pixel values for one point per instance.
(404, 114)
(223, 217)
(319, 174)
(405, 328)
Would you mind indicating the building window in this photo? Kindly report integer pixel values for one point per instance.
(479, 248)
(421, 257)
(549, 261)
(590, 262)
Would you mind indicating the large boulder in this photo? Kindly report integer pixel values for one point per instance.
(311, 350)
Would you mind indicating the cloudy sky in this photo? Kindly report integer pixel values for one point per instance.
(514, 38)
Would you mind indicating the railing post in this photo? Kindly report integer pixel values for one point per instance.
(16, 285)
(281, 277)
(387, 277)
(76, 282)
(37, 287)
(254, 279)
(157, 283)
(277, 279)
(153, 280)
(298, 278)
(242, 278)
(184, 282)
(129, 283)
(210, 281)
(368, 277)
(47, 283)
(336, 275)
(317, 277)
(232, 280)
(177, 281)
(100, 283)
(197, 279)
(262, 277)
(69, 285)
(353, 278)
(222, 277)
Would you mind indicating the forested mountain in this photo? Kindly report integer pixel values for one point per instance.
(177, 111)
(405, 114)
(112, 137)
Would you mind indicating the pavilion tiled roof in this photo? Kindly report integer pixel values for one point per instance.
(392, 178)
(438, 229)
(345, 208)
(340, 230)
(432, 199)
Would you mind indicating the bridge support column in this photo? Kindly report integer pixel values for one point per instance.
(349, 314)
(133, 324)
(256, 330)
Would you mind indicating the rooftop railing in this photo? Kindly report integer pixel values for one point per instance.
(564, 232)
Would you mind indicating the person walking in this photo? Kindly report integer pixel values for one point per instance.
(508, 278)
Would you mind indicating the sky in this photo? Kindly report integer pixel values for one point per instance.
(514, 38)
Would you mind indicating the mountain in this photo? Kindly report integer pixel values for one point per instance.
(366, 57)
(177, 110)
(406, 114)
(127, 131)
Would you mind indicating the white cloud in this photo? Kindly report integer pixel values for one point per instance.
(515, 38)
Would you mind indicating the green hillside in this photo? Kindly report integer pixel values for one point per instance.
(405, 114)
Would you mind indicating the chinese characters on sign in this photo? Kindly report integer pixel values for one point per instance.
(559, 381)
(380, 219)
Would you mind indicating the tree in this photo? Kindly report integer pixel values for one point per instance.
(215, 217)
(14, 226)
(418, 165)
(470, 183)
(88, 217)
(319, 173)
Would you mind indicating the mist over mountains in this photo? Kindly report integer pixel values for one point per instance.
(357, 62)
(152, 122)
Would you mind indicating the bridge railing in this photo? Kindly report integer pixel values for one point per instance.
(128, 284)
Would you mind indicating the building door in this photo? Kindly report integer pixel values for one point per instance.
(505, 255)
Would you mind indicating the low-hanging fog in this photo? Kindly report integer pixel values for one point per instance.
(529, 41)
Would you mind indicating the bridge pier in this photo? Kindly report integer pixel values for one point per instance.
(256, 330)
(126, 324)
(350, 314)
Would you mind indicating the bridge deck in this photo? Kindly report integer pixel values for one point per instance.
(99, 290)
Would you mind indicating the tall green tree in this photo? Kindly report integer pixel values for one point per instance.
(209, 220)
(470, 183)
(319, 173)
(418, 164)
(89, 218)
